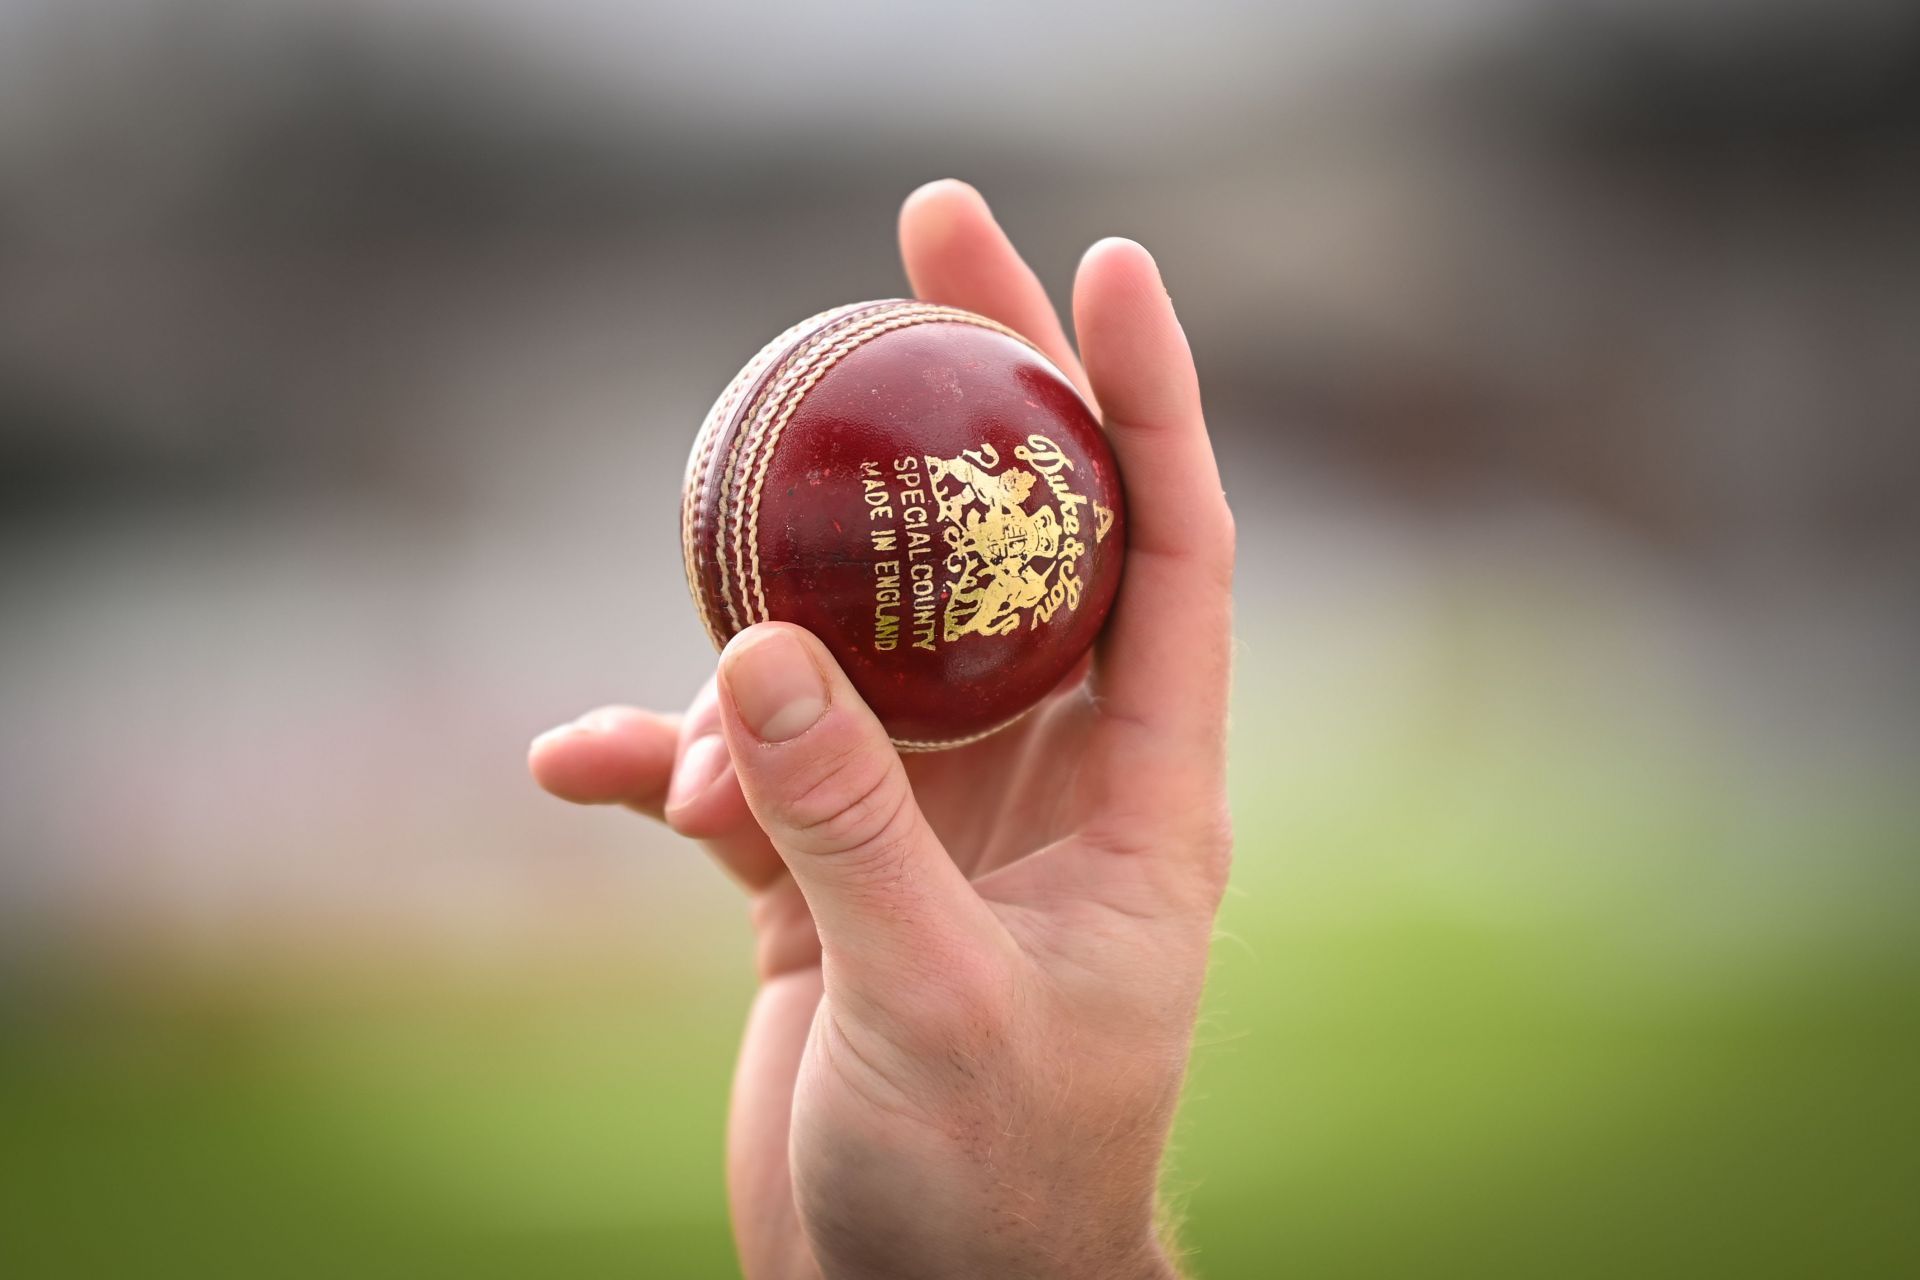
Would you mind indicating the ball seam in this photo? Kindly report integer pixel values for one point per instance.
(726, 549)
(701, 458)
(734, 547)
(824, 357)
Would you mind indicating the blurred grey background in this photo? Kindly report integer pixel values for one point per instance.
(1563, 358)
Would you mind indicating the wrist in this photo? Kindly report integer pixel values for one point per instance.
(1149, 1261)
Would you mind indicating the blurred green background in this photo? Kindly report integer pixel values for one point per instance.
(1489, 997)
(1560, 358)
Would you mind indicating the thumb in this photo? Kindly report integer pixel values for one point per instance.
(829, 789)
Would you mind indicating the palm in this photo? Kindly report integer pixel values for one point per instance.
(988, 803)
(992, 810)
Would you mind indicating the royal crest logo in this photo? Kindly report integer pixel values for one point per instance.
(1011, 557)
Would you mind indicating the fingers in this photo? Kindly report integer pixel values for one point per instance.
(956, 254)
(672, 768)
(704, 802)
(893, 911)
(616, 755)
(1165, 656)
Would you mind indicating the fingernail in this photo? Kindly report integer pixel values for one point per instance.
(939, 219)
(926, 189)
(775, 686)
(700, 765)
(558, 732)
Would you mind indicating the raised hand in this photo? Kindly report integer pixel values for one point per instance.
(980, 968)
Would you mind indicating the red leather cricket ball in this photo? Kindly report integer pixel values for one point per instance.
(924, 491)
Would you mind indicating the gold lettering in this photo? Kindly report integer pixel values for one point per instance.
(886, 605)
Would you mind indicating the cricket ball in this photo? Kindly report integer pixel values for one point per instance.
(924, 491)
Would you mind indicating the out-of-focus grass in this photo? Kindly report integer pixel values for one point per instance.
(424, 1127)
(1515, 1020)
(1510, 984)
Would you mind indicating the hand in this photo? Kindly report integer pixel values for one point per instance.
(980, 968)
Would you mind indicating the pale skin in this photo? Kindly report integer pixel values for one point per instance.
(979, 968)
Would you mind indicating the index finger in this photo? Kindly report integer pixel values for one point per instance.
(956, 253)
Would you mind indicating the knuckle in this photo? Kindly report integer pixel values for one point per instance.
(1214, 848)
(1201, 849)
(682, 822)
(853, 803)
(1222, 536)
